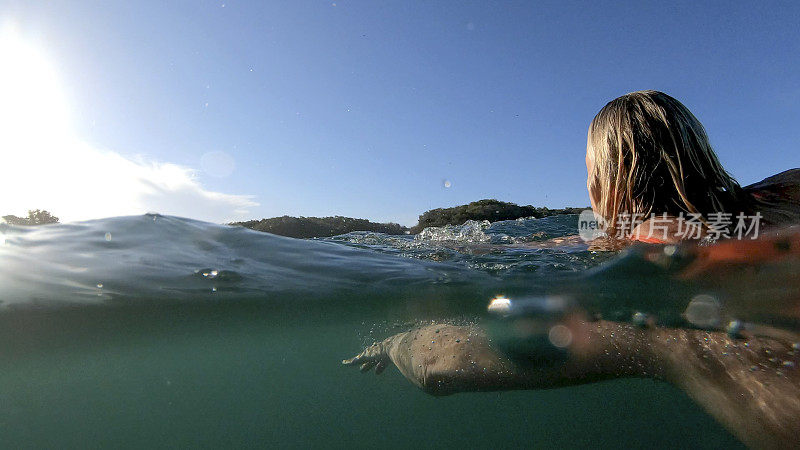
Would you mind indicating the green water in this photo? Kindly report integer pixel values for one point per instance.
(251, 376)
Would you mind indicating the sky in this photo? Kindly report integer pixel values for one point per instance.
(227, 110)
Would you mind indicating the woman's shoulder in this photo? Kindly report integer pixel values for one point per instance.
(777, 198)
(787, 178)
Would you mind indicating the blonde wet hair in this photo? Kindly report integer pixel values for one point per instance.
(650, 155)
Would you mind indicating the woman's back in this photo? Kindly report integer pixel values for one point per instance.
(777, 198)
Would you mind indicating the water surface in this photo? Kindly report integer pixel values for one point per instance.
(161, 331)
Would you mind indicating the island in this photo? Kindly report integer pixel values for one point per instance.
(311, 227)
(488, 209)
(308, 227)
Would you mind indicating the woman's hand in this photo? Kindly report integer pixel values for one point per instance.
(376, 355)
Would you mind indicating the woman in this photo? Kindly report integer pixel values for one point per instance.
(653, 177)
(648, 158)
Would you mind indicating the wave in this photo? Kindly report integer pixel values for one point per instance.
(154, 256)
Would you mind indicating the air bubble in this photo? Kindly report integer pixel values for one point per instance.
(734, 328)
(560, 336)
(704, 311)
(639, 319)
(500, 305)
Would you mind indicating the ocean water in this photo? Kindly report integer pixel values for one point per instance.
(162, 332)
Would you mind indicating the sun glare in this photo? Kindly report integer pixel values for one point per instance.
(44, 164)
(34, 125)
(33, 105)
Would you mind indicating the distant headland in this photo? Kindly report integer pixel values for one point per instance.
(489, 209)
(308, 227)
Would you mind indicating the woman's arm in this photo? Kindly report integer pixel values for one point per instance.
(752, 386)
(443, 359)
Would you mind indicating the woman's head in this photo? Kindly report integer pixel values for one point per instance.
(647, 153)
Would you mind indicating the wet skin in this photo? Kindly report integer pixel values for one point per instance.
(751, 386)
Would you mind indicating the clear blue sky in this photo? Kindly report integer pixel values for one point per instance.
(364, 108)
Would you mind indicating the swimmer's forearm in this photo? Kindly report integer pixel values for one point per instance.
(446, 359)
(443, 359)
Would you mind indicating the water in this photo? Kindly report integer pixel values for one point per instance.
(166, 332)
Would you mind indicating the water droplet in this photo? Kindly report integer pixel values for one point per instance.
(500, 305)
(639, 319)
(217, 164)
(704, 311)
(99, 285)
(447, 184)
(734, 328)
(560, 336)
(108, 236)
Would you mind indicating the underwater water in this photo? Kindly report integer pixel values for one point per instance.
(163, 332)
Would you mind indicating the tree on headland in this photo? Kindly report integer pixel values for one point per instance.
(35, 217)
(488, 209)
